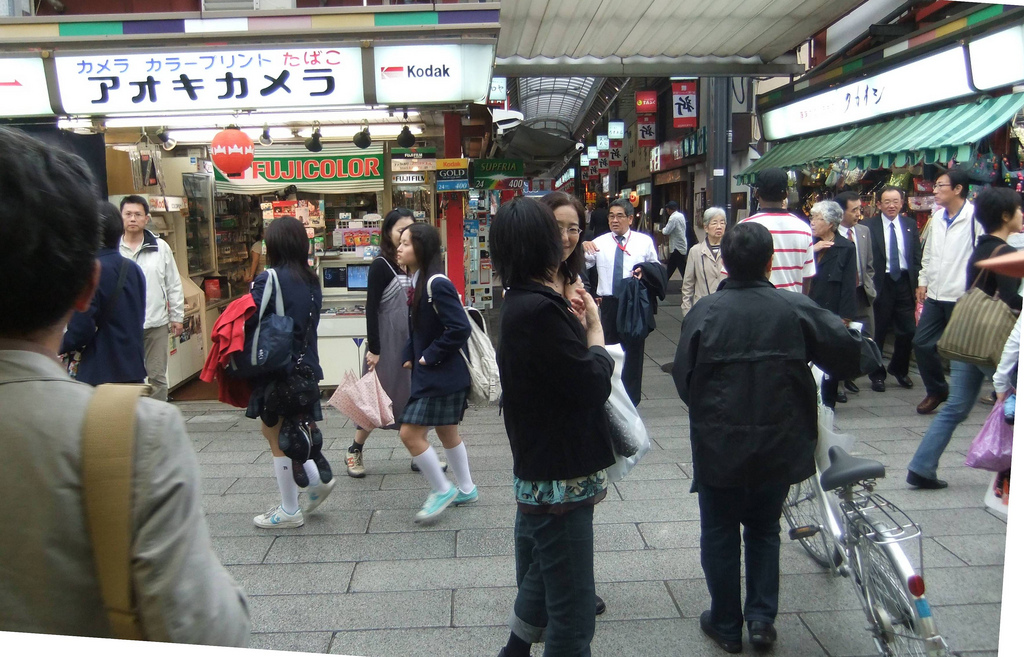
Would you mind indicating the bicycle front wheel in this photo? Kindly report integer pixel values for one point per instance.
(802, 510)
(897, 626)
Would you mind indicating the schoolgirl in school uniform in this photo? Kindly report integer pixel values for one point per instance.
(438, 332)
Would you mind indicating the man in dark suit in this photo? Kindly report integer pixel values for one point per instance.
(896, 250)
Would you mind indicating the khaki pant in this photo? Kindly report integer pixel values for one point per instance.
(157, 350)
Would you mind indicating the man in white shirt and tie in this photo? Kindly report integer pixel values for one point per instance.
(616, 255)
(860, 236)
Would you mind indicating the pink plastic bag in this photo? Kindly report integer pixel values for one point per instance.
(992, 448)
(364, 401)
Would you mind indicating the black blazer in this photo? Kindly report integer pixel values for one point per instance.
(438, 335)
(298, 294)
(114, 351)
(912, 243)
(834, 286)
(553, 388)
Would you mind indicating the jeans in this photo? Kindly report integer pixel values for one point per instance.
(965, 385)
(933, 322)
(722, 511)
(555, 574)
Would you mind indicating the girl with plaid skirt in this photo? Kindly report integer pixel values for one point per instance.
(438, 332)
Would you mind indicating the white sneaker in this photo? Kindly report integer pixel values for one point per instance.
(277, 518)
(315, 495)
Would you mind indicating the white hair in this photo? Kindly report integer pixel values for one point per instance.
(830, 211)
(711, 213)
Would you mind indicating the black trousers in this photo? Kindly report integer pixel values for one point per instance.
(722, 512)
(633, 368)
(676, 260)
(894, 306)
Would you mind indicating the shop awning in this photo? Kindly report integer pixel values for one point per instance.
(337, 169)
(938, 136)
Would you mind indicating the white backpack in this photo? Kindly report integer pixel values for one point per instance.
(485, 386)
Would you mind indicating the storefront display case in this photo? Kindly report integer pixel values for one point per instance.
(199, 230)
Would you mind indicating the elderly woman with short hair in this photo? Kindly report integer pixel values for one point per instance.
(834, 286)
(703, 270)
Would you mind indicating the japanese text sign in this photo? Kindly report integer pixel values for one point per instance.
(616, 129)
(646, 135)
(205, 80)
(646, 102)
(615, 152)
(684, 104)
(23, 88)
(602, 142)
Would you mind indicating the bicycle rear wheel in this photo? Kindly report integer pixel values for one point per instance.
(884, 572)
(802, 510)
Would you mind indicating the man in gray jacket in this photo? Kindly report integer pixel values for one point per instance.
(49, 226)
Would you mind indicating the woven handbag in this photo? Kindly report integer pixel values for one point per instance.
(978, 328)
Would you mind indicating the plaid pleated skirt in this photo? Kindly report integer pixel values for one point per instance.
(435, 411)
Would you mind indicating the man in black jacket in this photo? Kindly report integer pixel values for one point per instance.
(742, 369)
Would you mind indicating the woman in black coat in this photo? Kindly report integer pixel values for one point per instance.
(556, 378)
(834, 286)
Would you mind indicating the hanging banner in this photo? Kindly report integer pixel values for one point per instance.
(684, 104)
(336, 169)
(646, 135)
(592, 173)
(497, 174)
(602, 165)
(452, 174)
(616, 130)
(615, 153)
(207, 79)
(602, 142)
(646, 102)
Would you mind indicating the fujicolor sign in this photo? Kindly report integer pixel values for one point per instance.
(433, 73)
(194, 80)
(23, 88)
(317, 168)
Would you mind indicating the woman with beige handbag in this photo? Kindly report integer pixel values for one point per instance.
(999, 212)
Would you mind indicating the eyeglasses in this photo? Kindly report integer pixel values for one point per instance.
(937, 185)
(138, 215)
(569, 231)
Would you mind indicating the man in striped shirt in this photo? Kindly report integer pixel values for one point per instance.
(793, 262)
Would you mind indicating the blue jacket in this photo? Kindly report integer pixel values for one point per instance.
(114, 351)
(437, 336)
(298, 294)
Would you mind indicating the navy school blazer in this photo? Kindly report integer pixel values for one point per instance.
(438, 335)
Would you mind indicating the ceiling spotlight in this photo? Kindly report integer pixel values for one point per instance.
(362, 138)
(405, 138)
(265, 137)
(166, 142)
(313, 144)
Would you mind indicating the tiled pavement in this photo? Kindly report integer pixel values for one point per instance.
(360, 578)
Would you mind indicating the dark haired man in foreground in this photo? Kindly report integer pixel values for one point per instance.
(742, 369)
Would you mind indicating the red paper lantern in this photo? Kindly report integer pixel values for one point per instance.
(232, 151)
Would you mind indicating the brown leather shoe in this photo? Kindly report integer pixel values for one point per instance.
(930, 403)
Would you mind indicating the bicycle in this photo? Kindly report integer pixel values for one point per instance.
(857, 534)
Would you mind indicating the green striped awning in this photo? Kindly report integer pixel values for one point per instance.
(931, 137)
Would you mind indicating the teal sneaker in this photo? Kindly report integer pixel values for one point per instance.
(436, 504)
(315, 495)
(466, 498)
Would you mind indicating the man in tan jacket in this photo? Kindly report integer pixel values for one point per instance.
(49, 226)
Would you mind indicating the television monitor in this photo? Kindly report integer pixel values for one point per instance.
(333, 277)
(358, 277)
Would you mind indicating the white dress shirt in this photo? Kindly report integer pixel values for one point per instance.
(638, 248)
(887, 233)
(676, 230)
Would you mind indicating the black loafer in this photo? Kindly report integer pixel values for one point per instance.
(878, 385)
(851, 386)
(904, 381)
(729, 645)
(762, 635)
(918, 481)
(841, 397)
(601, 606)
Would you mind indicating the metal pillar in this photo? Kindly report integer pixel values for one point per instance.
(720, 145)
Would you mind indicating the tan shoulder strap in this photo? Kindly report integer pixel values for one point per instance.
(108, 446)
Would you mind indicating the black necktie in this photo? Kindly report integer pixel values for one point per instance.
(894, 253)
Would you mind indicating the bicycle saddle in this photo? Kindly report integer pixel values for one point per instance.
(845, 469)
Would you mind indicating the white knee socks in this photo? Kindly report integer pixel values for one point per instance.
(312, 472)
(459, 460)
(430, 466)
(286, 483)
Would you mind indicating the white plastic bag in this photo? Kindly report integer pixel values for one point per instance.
(826, 429)
(629, 435)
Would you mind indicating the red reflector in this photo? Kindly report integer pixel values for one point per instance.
(916, 585)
